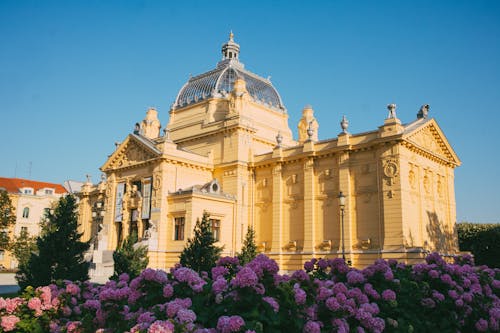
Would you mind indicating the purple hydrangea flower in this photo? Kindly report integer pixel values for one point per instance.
(228, 324)
(388, 295)
(355, 277)
(481, 325)
(299, 294)
(271, 301)
(246, 277)
(312, 327)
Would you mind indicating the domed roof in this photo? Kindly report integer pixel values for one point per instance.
(220, 81)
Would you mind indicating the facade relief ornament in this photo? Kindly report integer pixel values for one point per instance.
(277, 169)
(131, 154)
(429, 139)
(427, 182)
(292, 202)
(263, 205)
(156, 196)
(391, 171)
(440, 186)
(412, 178)
(364, 244)
(309, 164)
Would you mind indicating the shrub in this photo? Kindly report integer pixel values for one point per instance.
(328, 296)
(483, 240)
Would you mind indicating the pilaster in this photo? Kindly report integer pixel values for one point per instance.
(109, 219)
(277, 241)
(390, 192)
(309, 206)
(346, 188)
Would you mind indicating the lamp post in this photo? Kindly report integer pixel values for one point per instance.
(98, 212)
(342, 208)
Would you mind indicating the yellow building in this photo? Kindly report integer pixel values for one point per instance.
(30, 199)
(228, 149)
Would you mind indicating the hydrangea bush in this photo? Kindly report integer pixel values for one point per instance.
(327, 296)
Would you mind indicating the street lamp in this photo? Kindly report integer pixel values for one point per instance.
(98, 213)
(342, 208)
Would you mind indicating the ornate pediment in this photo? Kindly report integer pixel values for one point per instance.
(430, 139)
(129, 153)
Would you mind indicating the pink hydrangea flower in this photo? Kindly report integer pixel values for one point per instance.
(72, 289)
(73, 327)
(35, 304)
(161, 326)
(9, 322)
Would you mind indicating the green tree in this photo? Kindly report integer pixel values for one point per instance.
(249, 249)
(130, 258)
(60, 252)
(23, 246)
(7, 219)
(201, 253)
(483, 240)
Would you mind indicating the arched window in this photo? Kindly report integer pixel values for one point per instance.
(26, 212)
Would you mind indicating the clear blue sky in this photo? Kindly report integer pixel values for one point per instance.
(76, 75)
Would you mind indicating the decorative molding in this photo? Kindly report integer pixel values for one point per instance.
(291, 246)
(263, 205)
(277, 169)
(325, 245)
(263, 247)
(309, 164)
(130, 155)
(391, 171)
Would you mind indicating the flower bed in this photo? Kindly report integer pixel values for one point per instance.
(327, 296)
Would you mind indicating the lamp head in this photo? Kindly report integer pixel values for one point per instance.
(341, 200)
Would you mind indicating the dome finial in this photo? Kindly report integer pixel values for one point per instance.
(230, 50)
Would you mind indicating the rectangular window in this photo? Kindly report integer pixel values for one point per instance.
(24, 229)
(28, 191)
(179, 228)
(215, 225)
(49, 192)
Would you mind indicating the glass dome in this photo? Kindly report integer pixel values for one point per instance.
(220, 81)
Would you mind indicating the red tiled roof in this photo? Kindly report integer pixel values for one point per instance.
(13, 185)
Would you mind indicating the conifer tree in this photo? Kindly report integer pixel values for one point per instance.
(7, 219)
(201, 253)
(60, 252)
(130, 258)
(249, 249)
(23, 246)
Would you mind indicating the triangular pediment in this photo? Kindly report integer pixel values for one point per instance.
(134, 150)
(428, 137)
